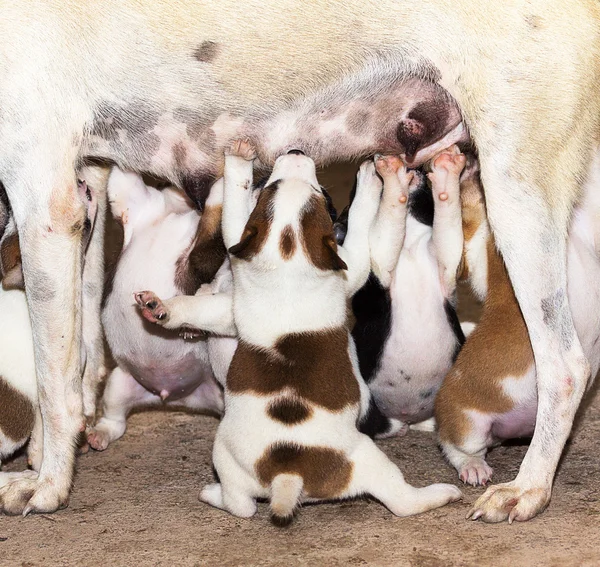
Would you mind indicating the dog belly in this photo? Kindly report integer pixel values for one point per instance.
(360, 115)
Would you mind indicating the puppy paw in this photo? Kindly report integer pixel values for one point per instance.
(446, 166)
(509, 501)
(98, 438)
(190, 333)
(388, 166)
(152, 307)
(368, 183)
(475, 471)
(241, 148)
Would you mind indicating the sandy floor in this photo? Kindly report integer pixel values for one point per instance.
(136, 505)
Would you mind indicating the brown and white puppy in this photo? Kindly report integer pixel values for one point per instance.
(20, 417)
(163, 87)
(172, 248)
(490, 394)
(294, 375)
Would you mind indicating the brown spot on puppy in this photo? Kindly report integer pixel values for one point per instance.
(326, 473)
(316, 366)
(206, 51)
(200, 263)
(10, 262)
(317, 236)
(258, 226)
(16, 413)
(498, 347)
(289, 411)
(287, 242)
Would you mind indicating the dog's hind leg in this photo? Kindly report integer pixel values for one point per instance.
(50, 218)
(93, 276)
(376, 475)
(529, 201)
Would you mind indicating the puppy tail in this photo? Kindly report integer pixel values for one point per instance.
(285, 498)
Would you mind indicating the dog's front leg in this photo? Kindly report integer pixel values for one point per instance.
(50, 218)
(93, 276)
(355, 251)
(237, 178)
(529, 210)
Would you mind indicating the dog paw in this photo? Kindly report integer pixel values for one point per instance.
(475, 471)
(446, 166)
(152, 307)
(509, 501)
(28, 494)
(392, 169)
(368, 183)
(242, 148)
(190, 333)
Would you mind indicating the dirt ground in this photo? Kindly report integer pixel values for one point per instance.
(137, 504)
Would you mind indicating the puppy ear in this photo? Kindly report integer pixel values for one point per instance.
(244, 249)
(10, 262)
(330, 252)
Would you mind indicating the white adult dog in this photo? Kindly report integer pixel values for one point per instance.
(163, 86)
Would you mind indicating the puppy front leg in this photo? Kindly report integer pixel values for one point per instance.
(447, 237)
(237, 178)
(355, 251)
(50, 218)
(388, 231)
(207, 312)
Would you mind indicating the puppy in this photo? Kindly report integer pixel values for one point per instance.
(490, 394)
(20, 417)
(406, 329)
(294, 375)
(171, 247)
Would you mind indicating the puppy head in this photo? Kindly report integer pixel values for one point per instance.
(291, 223)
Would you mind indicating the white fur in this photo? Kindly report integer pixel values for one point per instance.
(152, 366)
(311, 300)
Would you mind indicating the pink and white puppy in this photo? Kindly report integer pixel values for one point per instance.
(20, 416)
(294, 375)
(170, 247)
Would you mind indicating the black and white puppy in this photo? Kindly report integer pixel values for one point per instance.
(407, 333)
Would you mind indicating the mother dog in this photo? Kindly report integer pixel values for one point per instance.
(162, 86)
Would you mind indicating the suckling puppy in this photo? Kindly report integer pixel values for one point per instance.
(407, 332)
(171, 247)
(490, 394)
(20, 417)
(294, 375)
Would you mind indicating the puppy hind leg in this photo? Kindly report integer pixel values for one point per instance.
(355, 251)
(387, 233)
(376, 475)
(122, 393)
(237, 178)
(447, 236)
